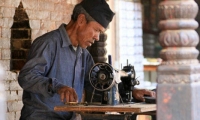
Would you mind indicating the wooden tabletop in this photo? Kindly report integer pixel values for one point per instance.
(135, 108)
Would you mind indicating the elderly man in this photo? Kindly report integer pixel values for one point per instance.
(58, 63)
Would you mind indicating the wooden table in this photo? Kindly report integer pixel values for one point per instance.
(150, 67)
(92, 111)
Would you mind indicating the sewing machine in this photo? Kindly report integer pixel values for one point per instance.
(103, 77)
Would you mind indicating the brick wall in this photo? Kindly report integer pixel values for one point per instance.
(43, 16)
(2, 96)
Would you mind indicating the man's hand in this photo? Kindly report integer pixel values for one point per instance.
(67, 94)
(139, 94)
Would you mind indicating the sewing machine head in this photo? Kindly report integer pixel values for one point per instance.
(103, 77)
(129, 81)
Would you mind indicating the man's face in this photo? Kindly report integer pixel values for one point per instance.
(88, 33)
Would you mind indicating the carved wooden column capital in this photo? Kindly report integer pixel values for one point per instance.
(179, 73)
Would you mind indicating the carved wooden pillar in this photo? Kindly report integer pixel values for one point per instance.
(178, 90)
(98, 50)
(198, 29)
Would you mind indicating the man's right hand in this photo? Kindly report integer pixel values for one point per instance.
(67, 94)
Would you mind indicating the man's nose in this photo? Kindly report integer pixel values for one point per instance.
(96, 37)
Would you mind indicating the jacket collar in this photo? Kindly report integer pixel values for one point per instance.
(65, 38)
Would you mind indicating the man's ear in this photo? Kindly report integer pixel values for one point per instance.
(81, 19)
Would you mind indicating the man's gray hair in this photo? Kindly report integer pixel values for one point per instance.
(78, 9)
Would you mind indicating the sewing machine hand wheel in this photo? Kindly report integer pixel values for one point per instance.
(101, 76)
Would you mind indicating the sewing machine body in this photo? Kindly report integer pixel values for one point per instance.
(104, 78)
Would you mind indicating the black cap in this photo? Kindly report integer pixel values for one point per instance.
(99, 10)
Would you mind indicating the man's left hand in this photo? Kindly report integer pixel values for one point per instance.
(139, 94)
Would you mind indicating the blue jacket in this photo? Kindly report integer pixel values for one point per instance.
(52, 59)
